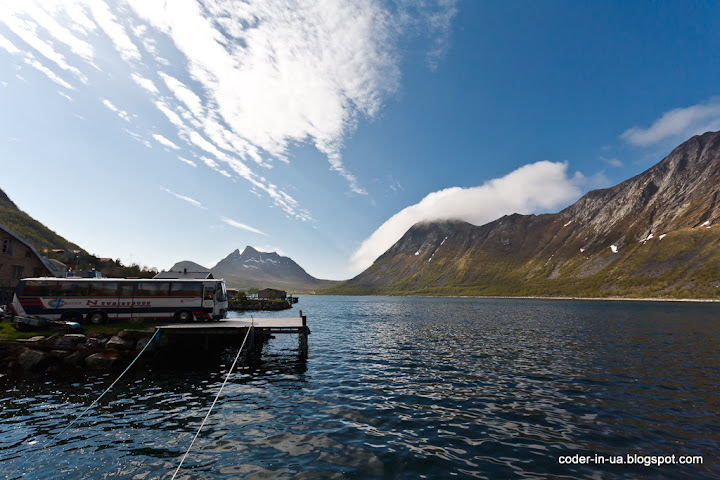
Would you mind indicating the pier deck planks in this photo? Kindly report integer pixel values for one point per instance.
(274, 325)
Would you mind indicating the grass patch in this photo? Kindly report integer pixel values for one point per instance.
(8, 332)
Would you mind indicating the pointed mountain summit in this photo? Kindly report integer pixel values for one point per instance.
(654, 235)
(255, 269)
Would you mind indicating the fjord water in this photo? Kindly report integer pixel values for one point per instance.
(397, 387)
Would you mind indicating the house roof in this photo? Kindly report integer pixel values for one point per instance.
(205, 275)
(51, 268)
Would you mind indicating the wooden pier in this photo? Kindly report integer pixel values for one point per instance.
(230, 332)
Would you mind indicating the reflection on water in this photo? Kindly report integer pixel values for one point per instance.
(403, 388)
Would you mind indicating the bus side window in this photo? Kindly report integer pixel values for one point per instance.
(78, 289)
(104, 289)
(185, 289)
(126, 289)
(153, 289)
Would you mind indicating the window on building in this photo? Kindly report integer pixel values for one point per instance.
(28, 253)
(17, 272)
(7, 246)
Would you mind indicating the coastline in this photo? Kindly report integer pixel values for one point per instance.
(530, 297)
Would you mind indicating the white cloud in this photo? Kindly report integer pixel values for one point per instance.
(8, 45)
(188, 162)
(277, 72)
(49, 73)
(249, 79)
(164, 141)
(535, 187)
(191, 201)
(613, 162)
(210, 162)
(26, 30)
(145, 83)
(136, 136)
(120, 113)
(191, 100)
(236, 224)
(271, 249)
(112, 27)
(678, 123)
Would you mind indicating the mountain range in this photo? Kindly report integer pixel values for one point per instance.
(653, 235)
(254, 269)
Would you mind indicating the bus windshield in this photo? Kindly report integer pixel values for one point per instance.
(221, 292)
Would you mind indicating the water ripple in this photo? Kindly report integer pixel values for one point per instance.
(402, 388)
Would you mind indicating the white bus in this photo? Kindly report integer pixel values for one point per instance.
(99, 300)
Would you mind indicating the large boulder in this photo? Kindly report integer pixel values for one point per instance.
(75, 359)
(37, 339)
(101, 361)
(117, 343)
(30, 359)
(70, 340)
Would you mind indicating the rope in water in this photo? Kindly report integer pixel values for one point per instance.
(91, 405)
(232, 367)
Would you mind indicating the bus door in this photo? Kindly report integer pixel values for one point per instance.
(208, 297)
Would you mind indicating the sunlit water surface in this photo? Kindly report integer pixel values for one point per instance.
(401, 388)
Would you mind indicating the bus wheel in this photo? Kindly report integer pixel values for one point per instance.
(97, 318)
(183, 316)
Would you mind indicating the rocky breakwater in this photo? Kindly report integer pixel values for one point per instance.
(73, 353)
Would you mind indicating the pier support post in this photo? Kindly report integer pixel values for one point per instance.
(303, 336)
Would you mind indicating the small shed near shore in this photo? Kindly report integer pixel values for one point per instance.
(271, 294)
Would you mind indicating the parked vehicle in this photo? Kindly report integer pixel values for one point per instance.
(98, 300)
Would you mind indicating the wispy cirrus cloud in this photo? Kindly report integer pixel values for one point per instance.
(532, 188)
(247, 80)
(164, 141)
(187, 162)
(679, 123)
(185, 198)
(120, 113)
(236, 224)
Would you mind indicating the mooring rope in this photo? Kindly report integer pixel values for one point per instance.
(90, 407)
(232, 367)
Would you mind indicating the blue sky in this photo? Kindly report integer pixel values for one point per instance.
(157, 133)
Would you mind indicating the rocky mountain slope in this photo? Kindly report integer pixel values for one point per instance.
(254, 269)
(654, 235)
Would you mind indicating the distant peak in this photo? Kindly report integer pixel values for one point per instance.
(249, 249)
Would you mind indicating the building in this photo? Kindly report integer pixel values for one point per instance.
(271, 294)
(204, 275)
(19, 259)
